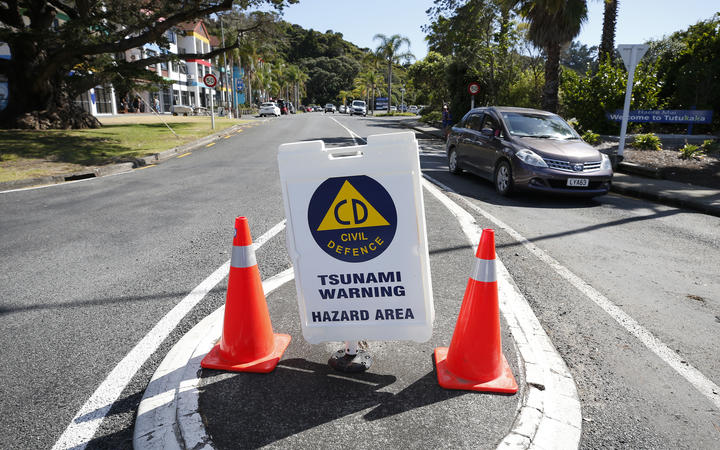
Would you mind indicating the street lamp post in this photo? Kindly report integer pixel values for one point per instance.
(402, 97)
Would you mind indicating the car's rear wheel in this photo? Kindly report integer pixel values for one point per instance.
(503, 178)
(452, 162)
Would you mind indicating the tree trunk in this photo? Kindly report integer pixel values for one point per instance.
(607, 42)
(389, 86)
(552, 75)
(35, 102)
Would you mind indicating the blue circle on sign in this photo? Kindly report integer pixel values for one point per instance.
(352, 219)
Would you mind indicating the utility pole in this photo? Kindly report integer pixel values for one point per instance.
(228, 88)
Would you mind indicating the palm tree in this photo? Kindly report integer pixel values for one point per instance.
(607, 42)
(389, 51)
(553, 23)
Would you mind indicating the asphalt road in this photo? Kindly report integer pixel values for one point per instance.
(89, 268)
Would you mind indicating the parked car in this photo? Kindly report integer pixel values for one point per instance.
(330, 108)
(413, 109)
(393, 109)
(317, 108)
(269, 109)
(310, 108)
(181, 109)
(290, 107)
(342, 109)
(527, 149)
(358, 107)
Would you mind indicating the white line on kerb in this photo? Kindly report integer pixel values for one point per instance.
(87, 420)
(703, 384)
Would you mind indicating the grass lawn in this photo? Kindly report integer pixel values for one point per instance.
(30, 153)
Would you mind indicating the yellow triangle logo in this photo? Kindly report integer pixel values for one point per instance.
(351, 210)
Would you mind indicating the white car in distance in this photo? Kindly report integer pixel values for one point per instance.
(269, 109)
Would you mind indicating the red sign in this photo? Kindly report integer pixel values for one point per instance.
(473, 88)
(210, 80)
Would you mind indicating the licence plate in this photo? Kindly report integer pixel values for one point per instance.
(578, 182)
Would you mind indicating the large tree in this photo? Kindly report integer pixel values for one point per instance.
(62, 48)
(553, 24)
(389, 50)
(607, 41)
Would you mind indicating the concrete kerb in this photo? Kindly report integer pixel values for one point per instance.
(113, 169)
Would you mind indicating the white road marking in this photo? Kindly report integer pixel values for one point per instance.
(87, 420)
(353, 135)
(703, 384)
(168, 413)
(549, 414)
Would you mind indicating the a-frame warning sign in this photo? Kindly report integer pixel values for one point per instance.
(356, 235)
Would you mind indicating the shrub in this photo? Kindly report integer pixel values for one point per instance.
(591, 138)
(647, 142)
(431, 116)
(691, 151)
(709, 145)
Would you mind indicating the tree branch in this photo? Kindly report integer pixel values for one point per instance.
(10, 15)
(65, 9)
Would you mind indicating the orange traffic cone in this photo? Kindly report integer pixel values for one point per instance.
(475, 361)
(248, 343)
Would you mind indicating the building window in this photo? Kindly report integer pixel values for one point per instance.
(166, 99)
(83, 101)
(103, 100)
(176, 97)
(185, 98)
(170, 35)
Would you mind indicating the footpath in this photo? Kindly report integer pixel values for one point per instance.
(629, 180)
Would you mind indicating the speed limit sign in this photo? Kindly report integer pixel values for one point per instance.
(473, 88)
(210, 80)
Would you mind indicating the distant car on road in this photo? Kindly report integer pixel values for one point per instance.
(358, 107)
(269, 109)
(413, 109)
(330, 108)
(342, 109)
(528, 149)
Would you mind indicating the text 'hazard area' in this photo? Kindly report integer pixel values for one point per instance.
(357, 218)
(348, 286)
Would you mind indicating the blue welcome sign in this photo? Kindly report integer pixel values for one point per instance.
(664, 115)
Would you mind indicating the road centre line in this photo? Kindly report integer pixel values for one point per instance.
(86, 422)
(352, 133)
(184, 154)
(211, 144)
(702, 384)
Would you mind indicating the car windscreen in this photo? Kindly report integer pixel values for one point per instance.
(358, 103)
(538, 126)
(269, 105)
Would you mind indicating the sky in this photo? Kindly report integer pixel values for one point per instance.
(360, 20)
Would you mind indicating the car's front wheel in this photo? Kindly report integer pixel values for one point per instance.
(452, 162)
(503, 178)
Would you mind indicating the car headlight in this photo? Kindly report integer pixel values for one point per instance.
(606, 164)
(531, 158)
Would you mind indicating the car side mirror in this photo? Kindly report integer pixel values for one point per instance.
(489, 132)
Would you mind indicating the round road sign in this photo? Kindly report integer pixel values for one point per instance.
(210, 80)
(473, 88)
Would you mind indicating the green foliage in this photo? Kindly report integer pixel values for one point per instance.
(691, 151)
(589, 97)
(591, 138)
(689, 67)
(647, 141)
(431, 117)
(428, 78)
(710, 146)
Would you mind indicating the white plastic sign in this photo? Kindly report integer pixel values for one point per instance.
(356, 235)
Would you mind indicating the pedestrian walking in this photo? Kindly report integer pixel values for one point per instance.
(156, 104)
